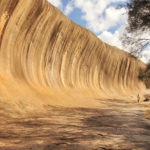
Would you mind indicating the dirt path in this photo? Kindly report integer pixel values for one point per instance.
(119, 125)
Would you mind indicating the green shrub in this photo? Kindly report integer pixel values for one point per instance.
(145, 76)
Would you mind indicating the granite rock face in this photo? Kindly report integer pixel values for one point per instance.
(47, 58)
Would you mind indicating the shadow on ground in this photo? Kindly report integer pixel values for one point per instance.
(118, 126)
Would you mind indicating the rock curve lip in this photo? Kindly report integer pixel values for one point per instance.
(44, 52)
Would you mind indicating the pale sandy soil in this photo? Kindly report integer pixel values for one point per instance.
(117, 125)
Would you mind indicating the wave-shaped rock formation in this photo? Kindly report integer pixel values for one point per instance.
(45, 58)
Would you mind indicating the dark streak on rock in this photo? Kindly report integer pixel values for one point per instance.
(9, 9)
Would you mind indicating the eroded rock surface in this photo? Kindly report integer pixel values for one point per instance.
(41, 50)
(60, 86)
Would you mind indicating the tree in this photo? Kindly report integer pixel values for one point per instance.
(138, 26)
(138, 14)
(145, 76)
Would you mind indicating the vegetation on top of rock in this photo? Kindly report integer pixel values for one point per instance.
(145, 77)
(135, 38)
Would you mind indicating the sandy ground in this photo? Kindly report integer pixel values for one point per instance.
(117, 125)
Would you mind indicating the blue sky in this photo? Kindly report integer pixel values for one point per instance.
(99, 16)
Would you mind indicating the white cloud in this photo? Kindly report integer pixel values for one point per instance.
(99, 14)
(111, 18)
(146, 55)
(113, 38)
(69, 8)
(57, 3)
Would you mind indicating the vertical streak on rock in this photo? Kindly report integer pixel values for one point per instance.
(43, 48)
(7, 12)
